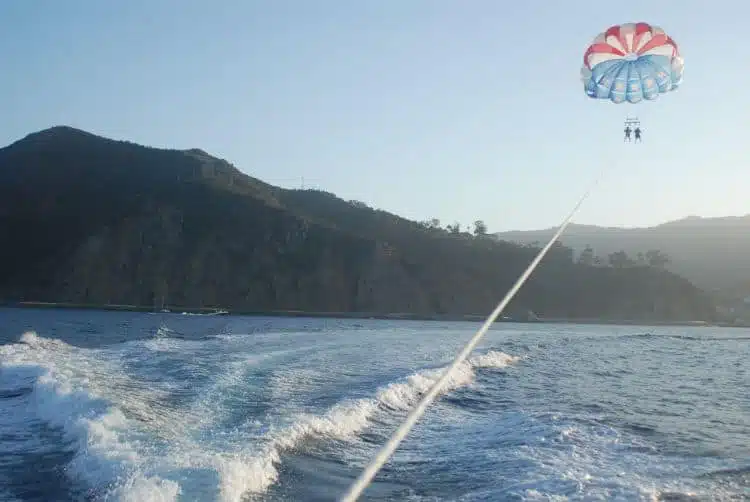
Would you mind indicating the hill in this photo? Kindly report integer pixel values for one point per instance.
(713, 253)
(87, 219)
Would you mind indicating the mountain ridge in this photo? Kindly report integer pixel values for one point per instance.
(104, 221)
(713, 252)
(691, 219)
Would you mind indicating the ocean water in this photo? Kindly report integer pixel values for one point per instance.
(168, 407)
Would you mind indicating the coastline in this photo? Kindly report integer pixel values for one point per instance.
(403, 316)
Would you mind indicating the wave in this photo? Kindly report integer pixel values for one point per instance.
(256, 474)
(129, 445)
(74, 393)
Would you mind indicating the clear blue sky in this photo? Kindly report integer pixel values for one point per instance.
(458, 109)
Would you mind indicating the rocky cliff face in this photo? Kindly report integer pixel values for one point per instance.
(161, 257)
(85, 219)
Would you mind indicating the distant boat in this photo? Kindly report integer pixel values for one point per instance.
(215, 312)
(163, 304)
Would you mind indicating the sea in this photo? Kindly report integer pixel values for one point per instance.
(146, 407)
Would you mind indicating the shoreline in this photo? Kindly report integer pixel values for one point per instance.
(401, 316)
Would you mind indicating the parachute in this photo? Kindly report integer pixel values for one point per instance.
(631, 62)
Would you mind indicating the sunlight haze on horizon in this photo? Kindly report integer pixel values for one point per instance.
(457, 110)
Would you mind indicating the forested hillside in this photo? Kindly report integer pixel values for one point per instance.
(91, 220)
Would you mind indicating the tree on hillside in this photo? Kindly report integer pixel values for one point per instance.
(431, 224)
(359, 204)
(480, 228)
(561, 253)
(454, 229)
(587, 256)
(620, 259)
(656, 258)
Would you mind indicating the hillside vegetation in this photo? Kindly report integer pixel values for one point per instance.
(86, 219)
(713, 253)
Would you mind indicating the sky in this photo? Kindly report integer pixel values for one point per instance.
(457, 110)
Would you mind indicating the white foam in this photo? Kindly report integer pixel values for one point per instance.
(67, 393)
(343, 421)
(114, 422)
(599, 461)
(141, 488)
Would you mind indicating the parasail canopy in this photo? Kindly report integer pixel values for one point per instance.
(631, 62)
